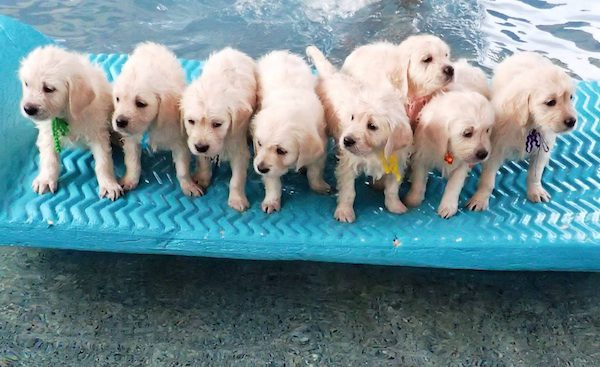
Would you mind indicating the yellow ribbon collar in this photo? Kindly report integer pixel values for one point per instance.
(390, 165)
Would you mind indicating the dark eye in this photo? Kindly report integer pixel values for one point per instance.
(259, 144)
(352, 118)
(216, 124)
(191, 122)
(446, 54)
(117, 99)
(571, 97)
(48, 89)
(140, 104)
(26, 84)
(428, 59)
(487, 131)
(467, 133)
(551, 103)
(371, 126)
(281, 151)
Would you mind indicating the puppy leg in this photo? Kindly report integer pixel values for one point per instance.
(535, 190)
(449, 204)
(344, 212)
(237, 184)
(203, 173)
(418, 185)
(480, 200)
(314, 173)
(105, 174)
(132, 150)
(392, 200)
(182, 158)
(272, 201)
(47, 178)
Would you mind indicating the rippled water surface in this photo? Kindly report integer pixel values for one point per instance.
(568, 31)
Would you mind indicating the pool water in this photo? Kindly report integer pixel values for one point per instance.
(483, 31)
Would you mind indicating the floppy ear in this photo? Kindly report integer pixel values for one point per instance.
(401, 136)
(309, 149)
(81, 94)
(240, 119)
(512, 103)
(400, 76)
(433, 134)
(168, 109)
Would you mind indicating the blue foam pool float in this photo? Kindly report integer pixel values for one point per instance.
(156, 218)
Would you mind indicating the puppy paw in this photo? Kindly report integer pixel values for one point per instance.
(110, 190)
(321, 187)
(202, 179)
(538, 194)
(238, 202)
(478, 202)
(128, 183)
(190, 188)
(42, 184)
(447, 210)
(345, 214)
(395, 206)
(271, 206)
(412, 199)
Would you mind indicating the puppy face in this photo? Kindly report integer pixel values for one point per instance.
(44, 95)
(135, 108)
(550, 103)
(429, 68)
(364, 133)
(206, 130)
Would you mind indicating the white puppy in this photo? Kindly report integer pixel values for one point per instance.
(65, 87)
(453, 134)
(146, 98)
(372, 132)
(289, 129)
(533, 104)
(418, 68)
(216, 109)
(468, 77)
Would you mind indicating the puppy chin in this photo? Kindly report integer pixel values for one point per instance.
(357, 151)
(38, 117)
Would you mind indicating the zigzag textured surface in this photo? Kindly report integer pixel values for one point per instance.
(158, 218)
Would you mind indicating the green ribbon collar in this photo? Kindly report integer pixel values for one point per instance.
(60, 128)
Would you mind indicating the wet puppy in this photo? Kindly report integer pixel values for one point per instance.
(371, 130)
(65, 87)
(289, 129)
(453, 134)
(418, 68)
(533, 105)
(146, 99)
(216, 109)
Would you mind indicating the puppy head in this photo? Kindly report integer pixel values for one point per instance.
(279, 146)
(136, 104)
(53, 84)
(426, 65)
(545, 100)
(460, 123)
(377, 123)
(208, 120)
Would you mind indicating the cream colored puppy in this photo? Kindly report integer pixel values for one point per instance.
(533, 105)
(58, 84)
(289, 129)
(216, 109)
(468, 77)
(418, 68)
(453, 134)
(146, 98)
(372, 132)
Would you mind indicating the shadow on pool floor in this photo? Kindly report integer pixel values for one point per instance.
(93, 309)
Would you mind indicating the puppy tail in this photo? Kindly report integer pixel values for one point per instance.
(324, 67)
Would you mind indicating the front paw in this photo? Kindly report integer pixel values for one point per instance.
(395, 206)
(344, 214)
(413, 199)
(190, 188)
(538, 194)
(271, 205)
(110, 190)
(321, 187)
(478, 202)
(238, 201)
(43, 184)
(447, 210)
(128, 183)
(202, 179)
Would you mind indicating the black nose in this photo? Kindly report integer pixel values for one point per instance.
(481, 154)
(448, 70)
(570, 122)
(349, 141)
(263, 169)
(122, 121)
(30, 110)
(202, 148)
